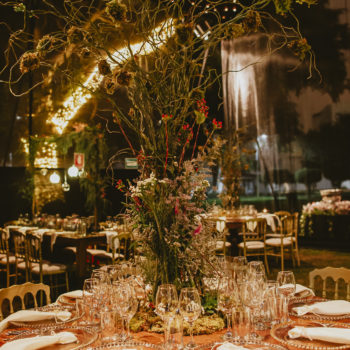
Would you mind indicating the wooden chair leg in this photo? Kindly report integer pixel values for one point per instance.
(67, 281)
(282, 259)
(292, 251)
(266, 264)
(7, 275)
(297, 254)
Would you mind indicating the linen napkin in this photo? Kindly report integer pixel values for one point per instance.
(334, 335)
(40, 341)
(33, 315)
(302, 291)
(230, 346)
(330, 308)
(74, 294)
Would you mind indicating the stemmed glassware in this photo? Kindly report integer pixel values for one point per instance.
(240, 268)
(131, 311)
(255, 267)
(252, 296)
(166, 305)
(90, 299)
(227, 300)
(286, 288)
(121, 299)
(190, 309)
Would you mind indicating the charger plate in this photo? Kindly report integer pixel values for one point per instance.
(296, 302)
(86, 336)
(130, 345)
(244, 344)
(280, 333)
(49, 322)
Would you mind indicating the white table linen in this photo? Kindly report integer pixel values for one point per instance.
(40, 341)
(327, 308)
(230, 346)
(328, 334)
(33, 315)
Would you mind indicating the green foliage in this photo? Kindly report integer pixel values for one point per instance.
(92, 142)
(209, 304)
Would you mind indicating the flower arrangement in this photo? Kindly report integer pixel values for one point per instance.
(326, 208)
(155, 52)
(169, 217)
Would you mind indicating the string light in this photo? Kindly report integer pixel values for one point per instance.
(81, 95)
(46, 156)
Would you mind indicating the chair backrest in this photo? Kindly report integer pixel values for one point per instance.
(34, 253)
(33, 248)
(120, 245)
(333, 273)
(4, 243)
(254, 229)
(287, 225)
(19, 243)
(21, 291)
(282, 213)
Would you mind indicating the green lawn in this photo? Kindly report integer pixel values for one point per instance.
(311, 259)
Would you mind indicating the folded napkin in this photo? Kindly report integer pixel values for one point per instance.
(220, 225)
(302, 291)
(230, 346)
(74, 294)
(32, 315)
(330, 308)
(334, 335)
(40, 341)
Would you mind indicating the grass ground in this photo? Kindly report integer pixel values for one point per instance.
(311, 259)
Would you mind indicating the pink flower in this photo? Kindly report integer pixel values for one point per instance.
(198, 230)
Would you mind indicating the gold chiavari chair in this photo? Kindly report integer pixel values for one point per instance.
(17, 295)
(280, 245)
(20, 251)
(253, 239)
(7, 261)
(39, 268)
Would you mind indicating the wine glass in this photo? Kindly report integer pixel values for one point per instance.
(121, 298)
(227, 300)
(131, 311)
(90, 299)
(286, 288)
(166, 305)
(240, 268)
(190, 308)
(252, 295)
(255, 267)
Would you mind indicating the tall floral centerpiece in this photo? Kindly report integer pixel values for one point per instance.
(155, 52)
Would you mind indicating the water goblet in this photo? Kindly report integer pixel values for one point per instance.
(255, 267)
(190, 309)
(227, 300)
(286, 288)
(166, 305)
(121, 295)
(131, 311)
(252, 297)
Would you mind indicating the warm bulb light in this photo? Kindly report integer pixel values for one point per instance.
(81, 95)
(73, 171)
(55, 178)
